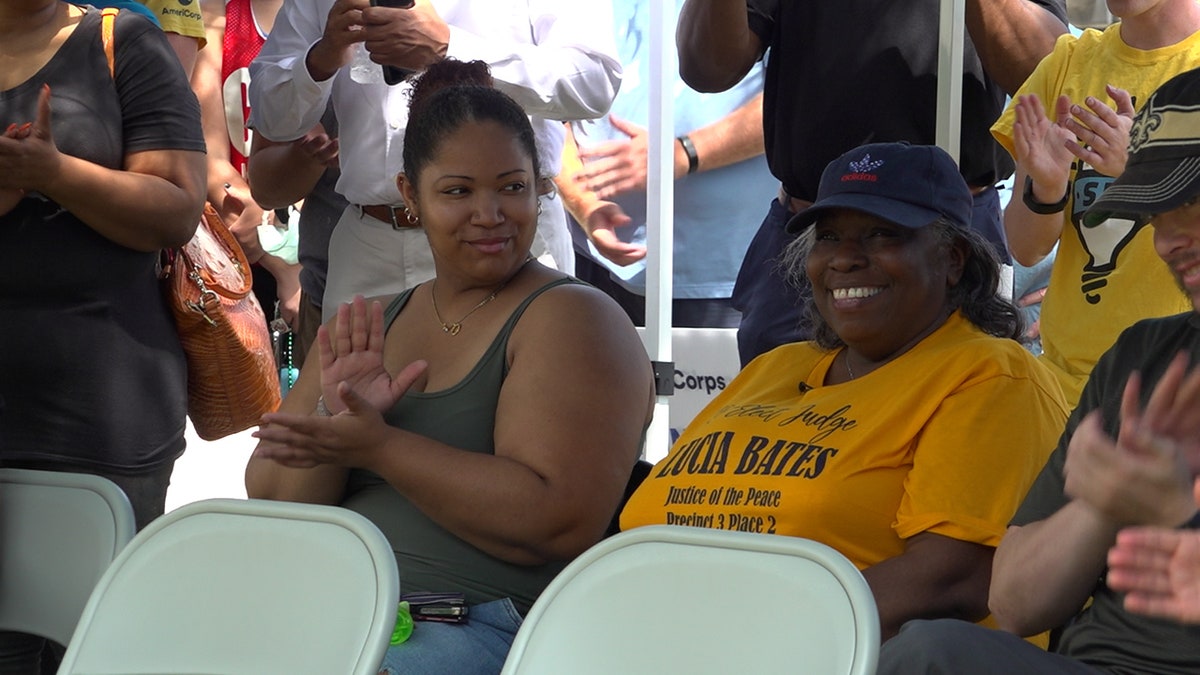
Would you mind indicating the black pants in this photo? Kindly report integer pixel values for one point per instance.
(685, 312)
(952, 647)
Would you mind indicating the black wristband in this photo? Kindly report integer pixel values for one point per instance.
(690, 151)
(1038, 207)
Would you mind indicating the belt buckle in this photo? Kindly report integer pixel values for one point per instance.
(395, 223)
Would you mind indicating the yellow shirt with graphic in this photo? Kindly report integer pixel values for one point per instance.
(946, 439)
(1107, 277)
(179, 16)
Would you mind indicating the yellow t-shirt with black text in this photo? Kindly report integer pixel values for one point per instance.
(179, 16)
(947, 439)
(1105, 277)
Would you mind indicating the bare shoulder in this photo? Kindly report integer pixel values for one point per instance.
(575, 329)
(575, 320)
(572, 308)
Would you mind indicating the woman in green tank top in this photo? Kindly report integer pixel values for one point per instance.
(488, 425)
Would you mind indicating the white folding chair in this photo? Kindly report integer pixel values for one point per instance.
(670, 599)
(243, 587)
(58, 533)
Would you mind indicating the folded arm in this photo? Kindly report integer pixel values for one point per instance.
(154, 202)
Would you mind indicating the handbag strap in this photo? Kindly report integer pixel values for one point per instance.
(108, 18)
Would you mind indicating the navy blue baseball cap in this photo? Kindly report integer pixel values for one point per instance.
(909, 185)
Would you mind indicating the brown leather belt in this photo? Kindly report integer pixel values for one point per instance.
(387, 214)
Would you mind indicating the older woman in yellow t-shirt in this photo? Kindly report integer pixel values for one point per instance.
(906, 433)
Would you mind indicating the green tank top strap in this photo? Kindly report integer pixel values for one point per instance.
(393, 308)
(516, 315)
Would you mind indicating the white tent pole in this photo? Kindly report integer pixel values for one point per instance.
(950, 75)
(660, 196)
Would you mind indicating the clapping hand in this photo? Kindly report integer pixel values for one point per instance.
(353, 355)
(1145, 476)
(1041, 146)
(29, 159)
(1159, 570)
(615, 167)
(355, 388)
(1103, 131)
(9, 196)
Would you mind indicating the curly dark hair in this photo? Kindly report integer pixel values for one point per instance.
(975, 294)
(451, 93)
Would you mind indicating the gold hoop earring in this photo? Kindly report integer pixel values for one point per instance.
(411, 217)
(539, 208)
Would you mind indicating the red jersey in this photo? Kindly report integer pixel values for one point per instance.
(242, 42)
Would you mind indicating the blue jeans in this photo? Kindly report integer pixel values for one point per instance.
(477, 647)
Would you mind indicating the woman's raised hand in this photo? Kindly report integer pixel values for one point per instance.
(353, 354)
(1040, 144)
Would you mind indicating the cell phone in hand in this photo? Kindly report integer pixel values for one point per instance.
(392, 74)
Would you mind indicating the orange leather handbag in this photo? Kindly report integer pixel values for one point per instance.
(232, 378)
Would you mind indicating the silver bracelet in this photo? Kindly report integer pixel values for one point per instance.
(322, 409)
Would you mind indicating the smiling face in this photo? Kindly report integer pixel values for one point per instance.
(477, 201)
(1177, 241)
(880, 286)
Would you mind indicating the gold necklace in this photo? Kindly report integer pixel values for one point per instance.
(453, 327)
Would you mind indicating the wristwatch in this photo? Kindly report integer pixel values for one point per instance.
(690, 150)
(1038, 207)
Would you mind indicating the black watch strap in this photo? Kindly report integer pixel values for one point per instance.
(1038, 207)
(690, 150)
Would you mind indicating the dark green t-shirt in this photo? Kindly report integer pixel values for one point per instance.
(1104, 635)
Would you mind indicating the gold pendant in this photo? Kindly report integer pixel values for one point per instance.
(452, 328)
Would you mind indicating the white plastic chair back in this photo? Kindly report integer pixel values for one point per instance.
(671, 599)
(58, 533)
(243, 587)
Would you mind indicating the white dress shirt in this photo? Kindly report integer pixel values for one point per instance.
(556, 58)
